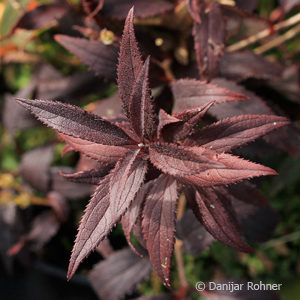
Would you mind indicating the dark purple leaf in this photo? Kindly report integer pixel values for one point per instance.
(159, 219)
(75, 122)
(130, 218)
(242, 65)
(195, 237)
(105, 248)
(35, 168)
(100, 152)
(100, 58)
(11, 228)
(42, 16)
(257, 222)
(15, 116)
(209, 36)
(289, 174)
(141, 108)
(43, 228)
(286, 138)
(246, 192)
(190, 94)
(234, 132)
(70, 88)
(181, 125)
(203, 167)
(117, 9)
(217, 215)
(59, 204)
(119, 274)
(65, 187)
(248, 6)
(288, 85)
(91, 176)
(109, 108)
(110, 201)
(130, 63)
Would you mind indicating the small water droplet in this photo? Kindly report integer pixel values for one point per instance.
(212, 206)
(274, 123)
(141, 145)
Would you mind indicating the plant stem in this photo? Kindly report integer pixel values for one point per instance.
(278, 40)
(264, 33)
(179, 244)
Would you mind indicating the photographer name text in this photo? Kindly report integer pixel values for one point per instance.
(233, 286)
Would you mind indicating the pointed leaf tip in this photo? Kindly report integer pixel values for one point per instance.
(130, 62)
(75, 122)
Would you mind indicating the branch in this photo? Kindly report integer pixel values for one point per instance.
(264, 33)
(278, 40)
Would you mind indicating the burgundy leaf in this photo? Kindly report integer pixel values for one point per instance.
(194, 116)
(159, 218)
(190, 94)
(110, 201)
(35, 168)
(117, 9)
(65, 187)
(181, 125)
(141, 108)
(286, 138)
(126, 180)
(100, 58)
(43, 228)
(217, 215)
(231, 133)
(252, 105)
(164, 120)
(130, 63)
(103, 153)
(91, 176)
(242, 65)
(59, 204)
(131, 216)
(15, 116)
(73, 121)
(105, 248)
(109, 107)
(11, 229)
(119, 274)
(257, 223)
(69, 88)
(209, 36)
(203, 167)
(195, 237)
(288, 85)
(248, 6)
(42, 16)
(246, 192)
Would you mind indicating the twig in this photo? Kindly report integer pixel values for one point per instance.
(282, 240)
(179, 244)
(278, 40)
(263, 34)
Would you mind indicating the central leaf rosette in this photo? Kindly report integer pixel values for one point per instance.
(144, 155)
